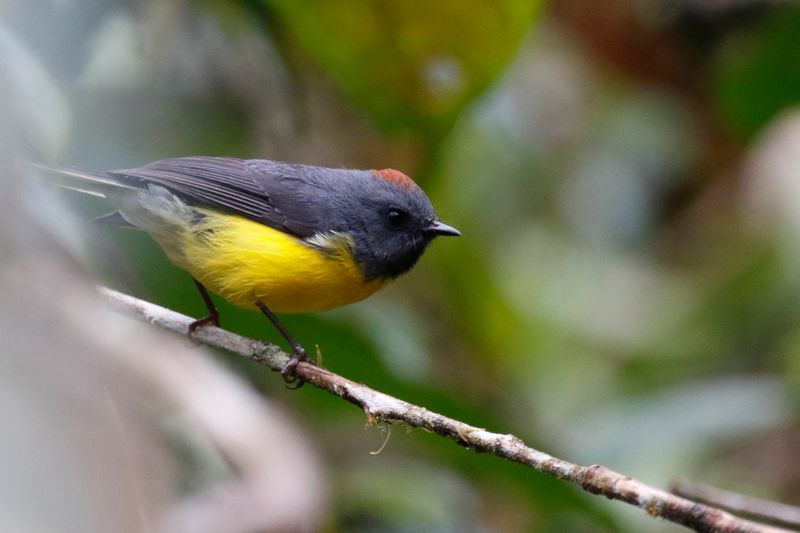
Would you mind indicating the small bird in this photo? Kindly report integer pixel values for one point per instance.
(271, 236)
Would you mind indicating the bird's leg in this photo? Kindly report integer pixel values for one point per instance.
(213, 314)
(298, 352)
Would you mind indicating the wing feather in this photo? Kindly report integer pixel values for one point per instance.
(260, 190)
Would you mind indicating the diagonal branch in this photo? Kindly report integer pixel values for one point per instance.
(764, 511)
(378, 406)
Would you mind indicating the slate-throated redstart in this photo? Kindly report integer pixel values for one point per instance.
(273, 236)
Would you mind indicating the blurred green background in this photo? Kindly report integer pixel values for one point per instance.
(625, 175)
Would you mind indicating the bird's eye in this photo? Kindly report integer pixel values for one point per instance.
(396, 218)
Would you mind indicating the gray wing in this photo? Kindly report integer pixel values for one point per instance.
(264, 191)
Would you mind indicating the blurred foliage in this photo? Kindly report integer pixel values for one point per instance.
(410, 65)
(626, 288)
(759, 74)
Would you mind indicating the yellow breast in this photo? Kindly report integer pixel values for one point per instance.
(244, 262)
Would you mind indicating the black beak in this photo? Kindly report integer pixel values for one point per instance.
(440, 228)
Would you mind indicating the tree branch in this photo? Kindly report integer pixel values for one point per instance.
(765, 511)
(380, 407)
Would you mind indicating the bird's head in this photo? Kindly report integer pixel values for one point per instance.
(389, 219)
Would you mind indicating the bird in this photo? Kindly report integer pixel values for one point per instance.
(271, 236)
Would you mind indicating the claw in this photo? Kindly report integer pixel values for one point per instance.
(292, 380)
(205, 321)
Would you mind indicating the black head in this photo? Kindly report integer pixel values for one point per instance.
(389, 218)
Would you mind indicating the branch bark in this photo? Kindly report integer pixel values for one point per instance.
(380, 407)
(766, 511)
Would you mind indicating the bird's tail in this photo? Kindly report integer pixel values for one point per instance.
(81, 181)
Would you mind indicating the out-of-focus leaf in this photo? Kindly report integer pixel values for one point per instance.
(47, 116)
(444, 503)
(759, 74)
(410, 65)
(676, 423)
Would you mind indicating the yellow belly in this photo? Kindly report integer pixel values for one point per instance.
(244, 262)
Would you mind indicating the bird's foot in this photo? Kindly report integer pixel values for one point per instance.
(290, 377)
(212, 319)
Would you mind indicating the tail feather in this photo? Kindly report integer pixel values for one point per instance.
(81, 181)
